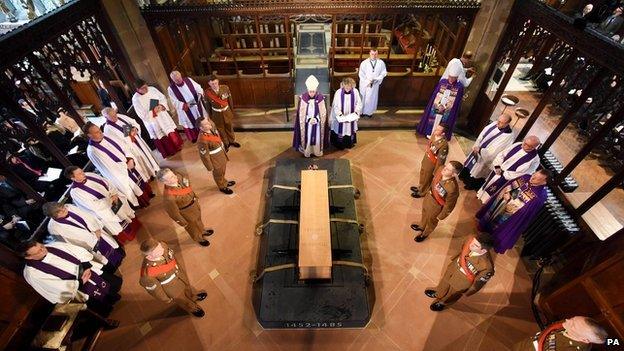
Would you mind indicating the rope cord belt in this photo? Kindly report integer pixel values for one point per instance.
(280, 267)
(294, 188)
(346, 186)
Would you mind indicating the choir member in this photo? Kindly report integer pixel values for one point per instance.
(311, 128)
(94, 193)
(443, 105)
(151, 106)
(466, 274)
(371, 73)
(62, 272)
(220, 100)
(186, 96)
(345, 113)
(66, 122)
(576, 333)
(510, 211)
(81, 228)
(114, 163)
(514, 161)
(464, 65)
(214, 158)
(125, 130)
(492, 140)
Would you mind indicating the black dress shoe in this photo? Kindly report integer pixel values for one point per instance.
(204, 243)
(201, 296)
(416, 227)
(199, 313)
(231, 183)
(436, 306)
(208, 232)
(431, 293)
(227, 191)
(419, 238)
(416, 195)
(414, 189)
(234, 144)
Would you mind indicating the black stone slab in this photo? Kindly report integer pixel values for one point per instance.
(282, 301)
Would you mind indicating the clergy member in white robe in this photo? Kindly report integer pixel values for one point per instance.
(372, 72)
(62, 272)
(114, 162)
(120, 128)
(345, 113)
(186, 96)
(81, 228)
(95, 194)
(460, 64)
(492, 140)
(311, 128)
(516, 160)
(151, 106)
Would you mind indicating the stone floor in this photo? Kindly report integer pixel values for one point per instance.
(384, 165)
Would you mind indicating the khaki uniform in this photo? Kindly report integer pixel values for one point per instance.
(556, 341)
(221, 112)
(182, 205)
(455, 283)
(167, 282)
(439, 202)
(213, 155)
(434, 158)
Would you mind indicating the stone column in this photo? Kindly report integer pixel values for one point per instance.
(135, 38)
(488, 28)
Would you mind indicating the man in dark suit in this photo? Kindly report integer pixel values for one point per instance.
(613, 23)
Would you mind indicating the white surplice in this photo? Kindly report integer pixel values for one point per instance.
(85, 238)
(159, 126)
(483, 166)
(51, 287)
(115, 171)
(525, 168)
(101, 208)
(188, 97)
(371, 75)
(144, 159)
(337, 116)
(459, 67)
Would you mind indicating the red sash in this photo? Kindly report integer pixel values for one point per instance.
(178, 191)
(439, 199)
(209, 137)
(155, 271)
(432, 157)
(544, 335)
(214, 97)
(462, 260)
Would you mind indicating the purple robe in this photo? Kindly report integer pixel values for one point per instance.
(318, 99)
(506, 227)
(449, 116)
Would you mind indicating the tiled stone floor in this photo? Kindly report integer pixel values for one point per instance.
(384, 165)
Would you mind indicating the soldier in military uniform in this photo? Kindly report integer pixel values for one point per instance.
(576, 333)
(439, 201)
(434, 158)
(211, 152)
(466, 274)
(182, 205)
(163, 278)
(220, 101)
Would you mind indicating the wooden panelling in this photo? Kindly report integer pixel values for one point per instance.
(258, 91)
